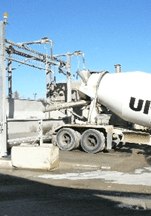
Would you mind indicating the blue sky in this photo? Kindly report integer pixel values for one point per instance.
(107, 31)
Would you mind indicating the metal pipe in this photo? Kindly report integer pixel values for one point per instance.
(117, 68)
(68, 77)
(21, 46)
(23, 62)
(66, 105)
(24, 54)
(48, 73)
(29, 55)
(83, 57)
(31, 140)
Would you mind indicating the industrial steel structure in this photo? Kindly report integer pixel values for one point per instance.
(11, 52)
(101, 96)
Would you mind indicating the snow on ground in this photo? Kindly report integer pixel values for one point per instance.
(139, 177)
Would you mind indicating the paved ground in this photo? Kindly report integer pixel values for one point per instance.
(113, 183)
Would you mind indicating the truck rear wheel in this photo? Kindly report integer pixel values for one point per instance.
(92, 141)
(67, 139)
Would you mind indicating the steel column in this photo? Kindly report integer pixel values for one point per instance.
(68, 77)
(3, 141)
(10, 76)
(70, 119)
(47, 78)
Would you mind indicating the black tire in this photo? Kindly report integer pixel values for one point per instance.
(92, 141)
(67, 139)
(78, 138)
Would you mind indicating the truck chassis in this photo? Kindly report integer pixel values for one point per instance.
(95, 138)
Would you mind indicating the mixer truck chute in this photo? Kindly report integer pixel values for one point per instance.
(126, 95)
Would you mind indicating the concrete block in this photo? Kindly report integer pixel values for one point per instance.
(44, 157)
(5, 163)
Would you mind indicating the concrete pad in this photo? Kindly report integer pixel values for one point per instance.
(44, 157)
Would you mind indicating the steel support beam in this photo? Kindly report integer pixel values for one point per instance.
(3, 140)
(68, 77)
(48, 70)
(9, 69)
(70, 119)
(42, 55)
(24, 63)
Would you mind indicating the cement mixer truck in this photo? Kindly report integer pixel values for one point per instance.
(102, 94)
